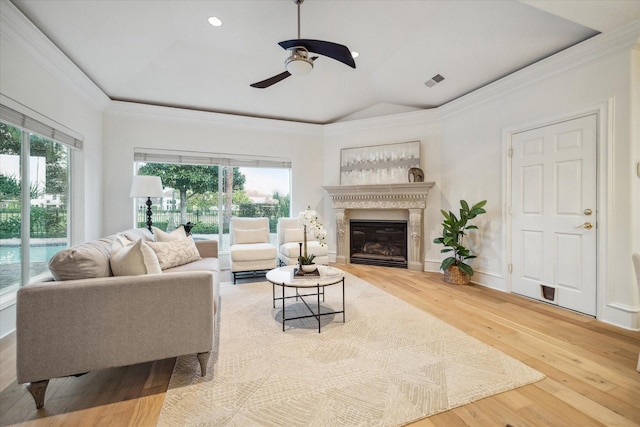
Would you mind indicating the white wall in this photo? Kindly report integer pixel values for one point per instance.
(35, 74)
(423, 126)
(35, 77)
(128, 126)
(463, 151)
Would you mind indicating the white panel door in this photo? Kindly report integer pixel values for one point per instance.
(553, 207)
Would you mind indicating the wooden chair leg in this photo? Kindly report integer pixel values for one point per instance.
(38, 390)
(203, 358)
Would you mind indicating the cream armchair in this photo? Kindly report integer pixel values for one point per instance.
(250, 251)
(290, 235)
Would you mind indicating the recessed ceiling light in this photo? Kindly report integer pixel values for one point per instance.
(215, 21)
(355, 54)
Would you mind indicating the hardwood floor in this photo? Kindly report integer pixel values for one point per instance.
(589, 366)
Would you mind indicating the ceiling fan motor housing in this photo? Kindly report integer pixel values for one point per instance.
(298, 63)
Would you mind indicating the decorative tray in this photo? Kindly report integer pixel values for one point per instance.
(300, 273)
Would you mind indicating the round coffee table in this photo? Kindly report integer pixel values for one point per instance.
(312, 285)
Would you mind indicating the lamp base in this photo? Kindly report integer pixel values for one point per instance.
(149, 214)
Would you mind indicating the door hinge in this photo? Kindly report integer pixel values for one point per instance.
(510, 268)
(510, 152)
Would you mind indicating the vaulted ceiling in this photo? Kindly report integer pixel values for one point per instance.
(166, 53)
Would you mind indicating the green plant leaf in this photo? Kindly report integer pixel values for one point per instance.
(465, 268)
(446, 263)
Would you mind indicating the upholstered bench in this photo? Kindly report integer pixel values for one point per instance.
(250, 250)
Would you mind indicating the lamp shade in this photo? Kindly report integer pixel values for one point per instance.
(146, 186)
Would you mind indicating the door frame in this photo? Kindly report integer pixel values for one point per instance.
(604, 140)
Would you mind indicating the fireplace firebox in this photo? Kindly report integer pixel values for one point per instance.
(382, 243)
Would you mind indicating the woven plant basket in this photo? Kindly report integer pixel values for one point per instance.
(455, 276)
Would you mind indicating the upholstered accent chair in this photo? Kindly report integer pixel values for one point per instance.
(290, 235)
(251, 253)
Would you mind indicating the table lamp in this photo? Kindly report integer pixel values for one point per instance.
(146, 186)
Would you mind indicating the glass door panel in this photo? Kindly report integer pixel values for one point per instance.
(10, 209)
(49, 196)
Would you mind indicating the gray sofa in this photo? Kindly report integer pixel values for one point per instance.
(97, 320)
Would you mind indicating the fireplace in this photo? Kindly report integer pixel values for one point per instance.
(381, 243)
(409, 198)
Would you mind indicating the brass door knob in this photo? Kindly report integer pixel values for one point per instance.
(586, 225)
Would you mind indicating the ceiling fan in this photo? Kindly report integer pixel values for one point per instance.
(299, 62)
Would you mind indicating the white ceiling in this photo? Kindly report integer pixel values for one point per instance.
(165, 53)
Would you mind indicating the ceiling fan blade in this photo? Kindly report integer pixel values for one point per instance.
(336, 51)
(271, 80)
(275, 79)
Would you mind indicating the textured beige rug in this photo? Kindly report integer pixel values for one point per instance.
(388, 365)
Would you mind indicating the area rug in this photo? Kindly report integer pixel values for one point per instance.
(388, 364)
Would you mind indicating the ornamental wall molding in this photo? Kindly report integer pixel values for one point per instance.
(380, 196)
(411, 197)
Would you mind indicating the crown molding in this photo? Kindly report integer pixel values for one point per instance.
(589, 51)
(154, 112)
(22, 33)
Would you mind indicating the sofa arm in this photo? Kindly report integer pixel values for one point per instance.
(207, 248)
(77, 326)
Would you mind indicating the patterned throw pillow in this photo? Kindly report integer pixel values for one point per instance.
(175, 253)
(132, 258)
(163, 236)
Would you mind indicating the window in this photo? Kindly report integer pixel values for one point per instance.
(208, 190)
(34, 191)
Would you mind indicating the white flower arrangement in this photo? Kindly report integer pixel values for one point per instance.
(309, 220)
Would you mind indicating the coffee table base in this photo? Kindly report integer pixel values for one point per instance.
(319, 291)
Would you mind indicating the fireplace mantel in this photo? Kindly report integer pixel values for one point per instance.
(380, 196)
(411, 196)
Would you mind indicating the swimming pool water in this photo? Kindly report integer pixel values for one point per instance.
(38, 253)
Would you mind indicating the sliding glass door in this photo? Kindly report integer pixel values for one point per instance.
(34, 201)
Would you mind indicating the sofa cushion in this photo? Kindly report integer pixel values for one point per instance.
(259, 235)
(253, 252)
(203, 264)
(175, 253)
(134, 234)
(133, 258)
(83, 261)
(163, 236)
(293, 235)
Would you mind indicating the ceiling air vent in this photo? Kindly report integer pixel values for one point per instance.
(434, 80)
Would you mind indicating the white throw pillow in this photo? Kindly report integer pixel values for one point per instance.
(163, 236)
(260, 235)
(133, 258)
(293, 235)
(178, 252)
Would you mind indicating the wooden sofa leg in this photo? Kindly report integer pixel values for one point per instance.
(38, 390)
(203, 358)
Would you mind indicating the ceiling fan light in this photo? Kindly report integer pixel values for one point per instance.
(298, 64)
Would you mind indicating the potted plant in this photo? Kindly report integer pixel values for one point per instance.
(456, 270)
(309, 221)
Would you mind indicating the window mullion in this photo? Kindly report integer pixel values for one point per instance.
(25, 230)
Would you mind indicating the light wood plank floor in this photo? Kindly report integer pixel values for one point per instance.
(589, 366)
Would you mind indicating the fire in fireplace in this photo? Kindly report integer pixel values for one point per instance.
(376, 242)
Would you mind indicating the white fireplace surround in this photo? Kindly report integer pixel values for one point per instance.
(411, 197)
